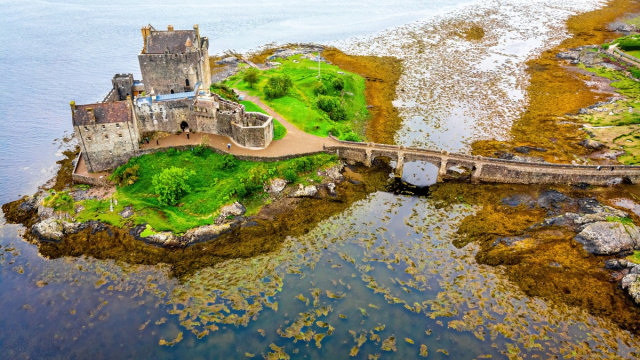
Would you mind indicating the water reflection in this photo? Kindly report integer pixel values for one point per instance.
(382, 278)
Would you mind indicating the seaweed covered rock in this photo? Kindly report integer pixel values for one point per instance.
(305, 191)
(208, 232)
(631, 282)
(49, 230)
(608, 238)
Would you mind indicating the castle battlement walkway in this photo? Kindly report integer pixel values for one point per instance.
(484, 169)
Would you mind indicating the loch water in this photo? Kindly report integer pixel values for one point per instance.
(381, 279)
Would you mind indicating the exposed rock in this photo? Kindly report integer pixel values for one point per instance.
(626, 28)
(631, 283)
(509, 241)
(305, 191)
(49, 230)
(230, 211)
(333, 173)
(127, 212)
(331, 189)
(617, 264)
(165, 238)
(552, 200)
(231, 60)
(528, 149)
(591, 144)
(509, 156)
(608, 238)
(569, 55)
(29, 204)
(276, 186)
(519, 199)
(208, 232)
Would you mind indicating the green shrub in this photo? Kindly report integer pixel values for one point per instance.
(126, 175)
(338, 83)
(351, 137)
(635, 72)
(172, 184)
(335, 132)
(228, 161)
(60, 201)
(605, 46)
(303, 164)
(629, 44)
(290, 175)
(172, 151)
(199, 150)
(332, 106)
(319, 88)
(250, 76)
(277, 86)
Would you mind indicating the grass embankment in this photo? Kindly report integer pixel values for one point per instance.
(218, 180)
(555, 90)
(299, 106)
(382, 75)
(618, 125)
(279, 131)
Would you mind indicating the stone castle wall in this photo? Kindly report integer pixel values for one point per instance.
(173, 73)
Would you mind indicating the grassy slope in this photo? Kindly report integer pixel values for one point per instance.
(299, 106)
(622, 126)
(279, 131)
(212, 187)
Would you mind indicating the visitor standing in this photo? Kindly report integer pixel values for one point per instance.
(229, 146)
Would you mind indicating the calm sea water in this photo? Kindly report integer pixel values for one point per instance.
(381, 279)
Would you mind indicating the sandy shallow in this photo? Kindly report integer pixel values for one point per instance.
(456, 90)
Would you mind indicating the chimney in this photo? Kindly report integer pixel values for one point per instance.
(197, 31)
(91, 115)
(146, 31)
(169, 27)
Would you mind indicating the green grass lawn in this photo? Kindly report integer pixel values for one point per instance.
(279, 131)
(213, 186)
(299, 105)
(634, 53)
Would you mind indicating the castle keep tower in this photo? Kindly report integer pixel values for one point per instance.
(174, 61)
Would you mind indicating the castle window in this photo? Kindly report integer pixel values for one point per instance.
(89, 138)
(120, 135)
(106, 137)
(103, 127)
(186, 81)
(86, 128)
(111, 152)
(117, 125)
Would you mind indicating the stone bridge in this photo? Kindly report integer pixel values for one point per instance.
(482, 169)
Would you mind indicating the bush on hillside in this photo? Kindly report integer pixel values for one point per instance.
(332, 106)
(172, 184)
(277, 86)
(338, 83)
(320, 89)
(250, 76)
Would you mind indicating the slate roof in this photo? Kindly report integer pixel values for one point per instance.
(173, 41)
(105, 113)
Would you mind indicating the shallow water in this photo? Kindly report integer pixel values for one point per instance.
(381, 275)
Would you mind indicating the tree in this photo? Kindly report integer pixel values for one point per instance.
(338, 84)
(277, 86)
(171, 184)
(251, 76)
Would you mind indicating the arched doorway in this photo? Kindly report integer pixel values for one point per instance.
(172, 91)
(184, 126)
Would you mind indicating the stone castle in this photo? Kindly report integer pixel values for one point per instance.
(173, 96)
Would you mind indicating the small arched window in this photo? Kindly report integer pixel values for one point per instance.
(186, 81)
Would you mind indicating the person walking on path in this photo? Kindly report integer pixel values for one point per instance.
(229, 146)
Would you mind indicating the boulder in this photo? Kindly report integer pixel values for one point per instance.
(165, 238)
(276, 186)
(608, 238)
(333, 173)
(591, 144)
(569, 55)
(626, 28)
(127, 212)
(230, 211)
(231, 60)
(552, 200)
(518, 199)
(49, 230)
(235, 209)
(207, 233)
(631, 283)
(331, 189)
(305, 191)
(617, 264)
